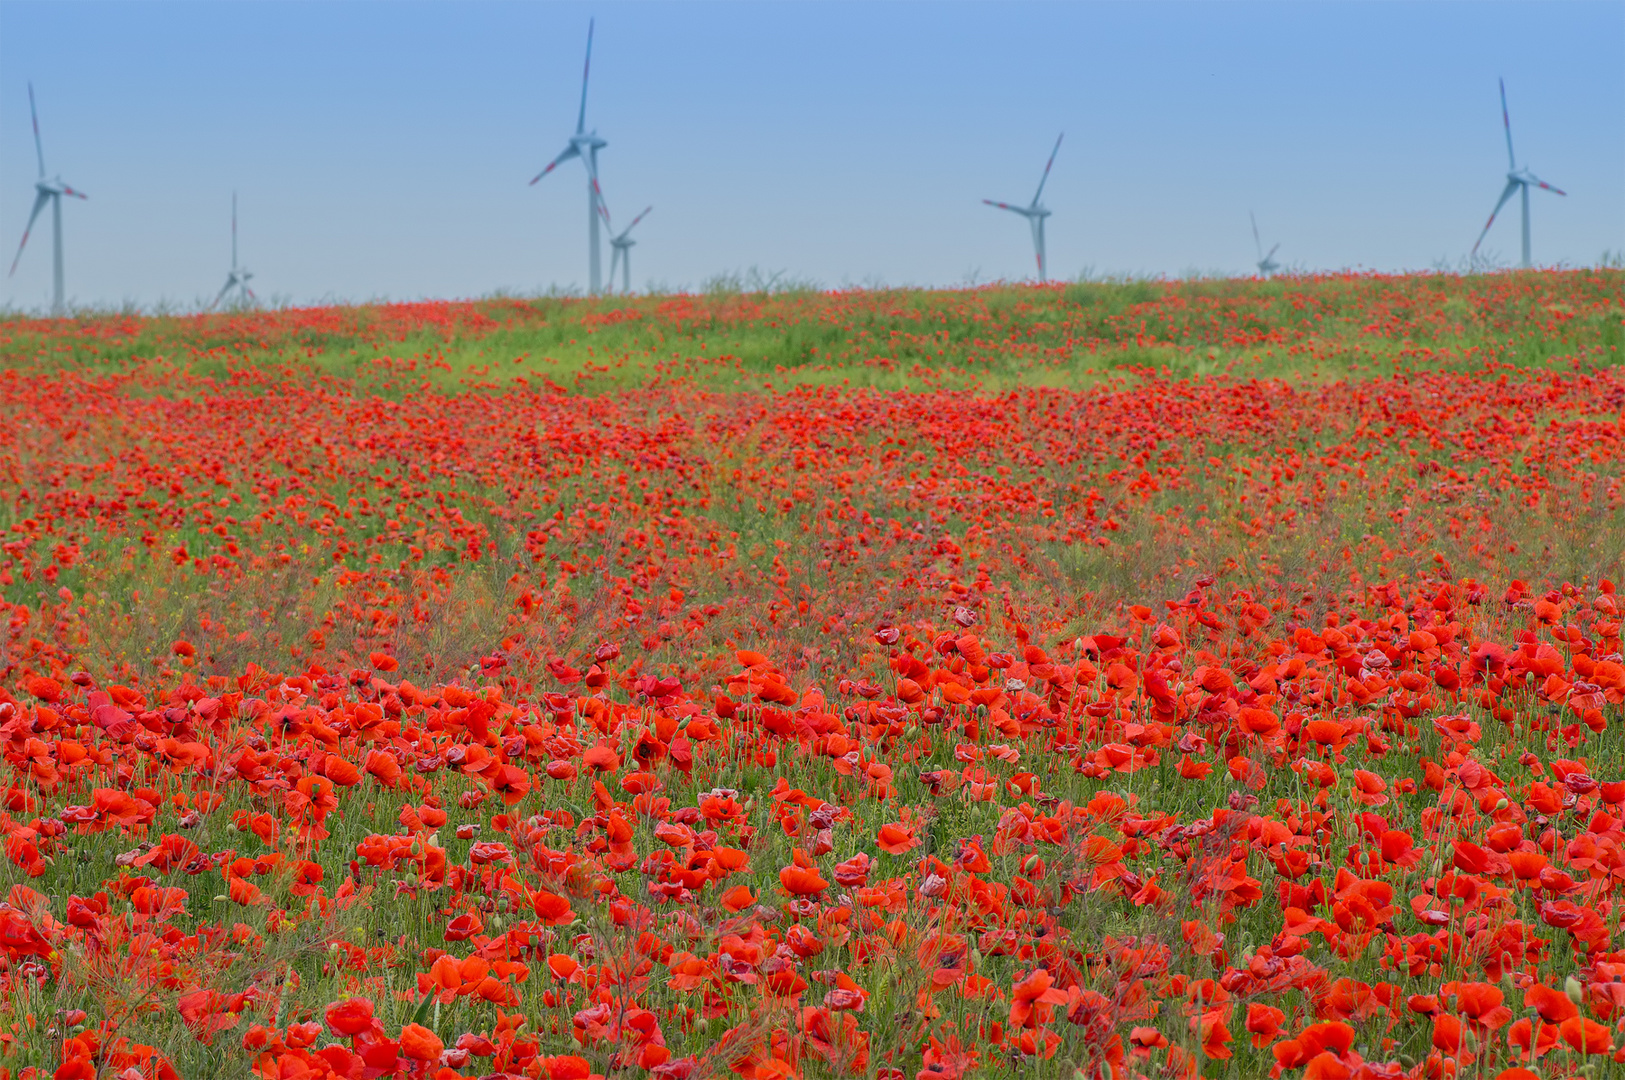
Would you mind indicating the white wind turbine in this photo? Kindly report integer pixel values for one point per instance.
(46, 191)
(1035, 213)
(1266, 263)
(585, 145)
(237, 280)
(1518, 180)
(622, 253)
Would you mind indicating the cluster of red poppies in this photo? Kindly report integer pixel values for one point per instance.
(1158, 728)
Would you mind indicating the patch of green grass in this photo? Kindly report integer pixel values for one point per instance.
(991, 338)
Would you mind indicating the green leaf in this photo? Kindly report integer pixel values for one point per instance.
(422, 1013)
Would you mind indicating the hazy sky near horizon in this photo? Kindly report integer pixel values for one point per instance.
(382, 149)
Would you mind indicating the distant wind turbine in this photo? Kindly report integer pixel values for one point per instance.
(238, 278)
(585, 145)
(1035, 213)
(1266, 263)
(1518, 180)
(46, 191)
(622, 253)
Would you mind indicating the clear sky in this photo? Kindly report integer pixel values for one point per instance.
(382, 150)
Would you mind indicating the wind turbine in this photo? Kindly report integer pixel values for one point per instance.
(585, 145)
(622, 253)
(238, 278)
(46, 191)
(1518, 180)
(1266, 263)
(1034, 212)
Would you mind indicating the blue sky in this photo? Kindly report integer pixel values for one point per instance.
(383, 149)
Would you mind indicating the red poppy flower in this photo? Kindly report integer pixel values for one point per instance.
(419, 1043)
(349, 1017)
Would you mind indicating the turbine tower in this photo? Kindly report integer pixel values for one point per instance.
(1266, 263)
(1035, 213)
(1518, 180)
(622, 253)
(238, 278)
(585, 145)
(46, 191)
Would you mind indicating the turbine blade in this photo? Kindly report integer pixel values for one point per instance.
(39, 204)
(581, 117)
(39, 150)
(1047, 166)
(1273, 250)
(621, 237)
(66, 190)
(568, 153)
(224, 289)
(1506, 122)
(1257, 245)
(590, 160)
(1022, 210)
(1506, 193)
(1543, 185)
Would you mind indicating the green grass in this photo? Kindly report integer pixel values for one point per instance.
(991, 338)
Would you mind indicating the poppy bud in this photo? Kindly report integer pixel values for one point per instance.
(1572, 987)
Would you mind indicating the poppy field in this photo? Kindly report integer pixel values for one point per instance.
(1151, 679)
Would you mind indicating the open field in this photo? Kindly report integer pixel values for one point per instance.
(991, 338)
(1141, 679)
